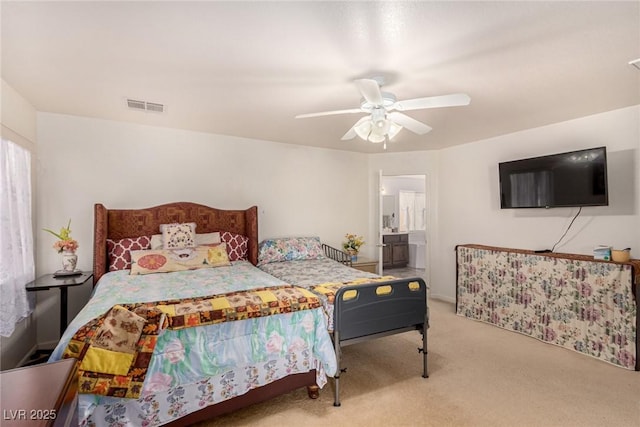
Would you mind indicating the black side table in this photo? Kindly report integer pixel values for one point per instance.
(48, 281)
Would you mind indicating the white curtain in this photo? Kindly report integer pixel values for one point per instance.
(412, 211)
(16, 235)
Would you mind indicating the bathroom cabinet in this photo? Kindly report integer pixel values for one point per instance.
(395, 252)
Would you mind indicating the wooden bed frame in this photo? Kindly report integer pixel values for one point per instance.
(122, 223)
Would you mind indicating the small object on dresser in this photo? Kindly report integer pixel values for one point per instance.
(69, 261)
(602, 252)
(352, 245)
(65, 273)
(621, 255)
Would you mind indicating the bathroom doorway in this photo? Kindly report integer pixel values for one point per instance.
(403, 228)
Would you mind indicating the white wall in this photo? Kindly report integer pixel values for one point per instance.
(18, 119)
(299, 190)
(470, 204)
(463, 198)
(309, 191)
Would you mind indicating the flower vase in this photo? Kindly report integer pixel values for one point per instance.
(69, 261)
(354, 255)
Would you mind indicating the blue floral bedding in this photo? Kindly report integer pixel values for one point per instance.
(312, 272)
(195, 367)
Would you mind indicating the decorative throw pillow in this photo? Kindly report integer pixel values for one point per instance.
(120, 330)
(119, 251)
(237, 245)
(201, 239)
(289, 249)
(165, 261)
(178, 236)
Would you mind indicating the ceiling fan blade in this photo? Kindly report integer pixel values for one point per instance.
(329, 113)
(370, 90)
(351, 133)
(408, 122)
(453, 100)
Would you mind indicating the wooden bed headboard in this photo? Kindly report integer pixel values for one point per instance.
(118, 224)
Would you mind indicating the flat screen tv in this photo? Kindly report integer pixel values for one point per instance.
(576, 178)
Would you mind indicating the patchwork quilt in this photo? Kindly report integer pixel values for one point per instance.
(114, 350)
(193, 367)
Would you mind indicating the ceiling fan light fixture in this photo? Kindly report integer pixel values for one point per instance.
(394, 129)
(363, 129)
(376, 129)
(376, 138)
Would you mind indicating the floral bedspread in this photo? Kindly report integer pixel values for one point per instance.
(310, 272)
(198, 366)
(324, 273)
(114, 350)
(582, 305)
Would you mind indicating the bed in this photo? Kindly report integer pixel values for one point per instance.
(256, 337)
(358, 305)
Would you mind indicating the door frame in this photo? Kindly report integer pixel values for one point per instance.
(428, 206)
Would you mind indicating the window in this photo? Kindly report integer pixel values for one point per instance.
(16, 235)
(412, 211)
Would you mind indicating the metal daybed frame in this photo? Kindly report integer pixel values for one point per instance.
(378, 309)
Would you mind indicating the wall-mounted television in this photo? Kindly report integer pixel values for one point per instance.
(575, 178)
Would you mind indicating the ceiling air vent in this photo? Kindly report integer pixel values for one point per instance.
(152, 106)
(145, 106)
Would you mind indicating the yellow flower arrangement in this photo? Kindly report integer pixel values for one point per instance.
(65, 243)
(353, 243)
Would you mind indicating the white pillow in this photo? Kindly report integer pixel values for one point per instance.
(178, 235)
(201, 239)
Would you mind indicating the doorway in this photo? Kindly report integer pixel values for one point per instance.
(403, 225)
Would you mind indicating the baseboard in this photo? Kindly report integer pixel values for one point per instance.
(48, 345)
(443, 298)
(27, 357)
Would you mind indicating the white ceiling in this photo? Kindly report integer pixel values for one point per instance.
(247, 68)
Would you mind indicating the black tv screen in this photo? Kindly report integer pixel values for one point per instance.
(576, 178)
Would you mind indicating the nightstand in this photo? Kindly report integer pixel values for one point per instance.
(49, 281)
(41, 395)
(365, 264)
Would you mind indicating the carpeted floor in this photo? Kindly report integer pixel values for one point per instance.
(479, 375)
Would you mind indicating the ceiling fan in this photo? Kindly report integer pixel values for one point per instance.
(385, 119)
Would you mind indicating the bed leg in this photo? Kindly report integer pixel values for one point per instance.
(313, 391)
(425, 372)
(336, 346)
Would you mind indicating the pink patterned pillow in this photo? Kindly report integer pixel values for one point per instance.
(237, 245)
(119, 251)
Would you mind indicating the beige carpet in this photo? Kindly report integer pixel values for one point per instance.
(479, 375)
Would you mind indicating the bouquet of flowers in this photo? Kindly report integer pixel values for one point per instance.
(65, 242)
(353, 243)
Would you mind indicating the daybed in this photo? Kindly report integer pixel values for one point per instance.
(220, 339)
(358, 305)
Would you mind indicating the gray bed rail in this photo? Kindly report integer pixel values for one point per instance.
(337, 255)
(373, 310)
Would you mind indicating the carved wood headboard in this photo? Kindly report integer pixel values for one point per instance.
(118, 224)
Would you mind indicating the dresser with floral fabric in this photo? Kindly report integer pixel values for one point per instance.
(573, 301)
